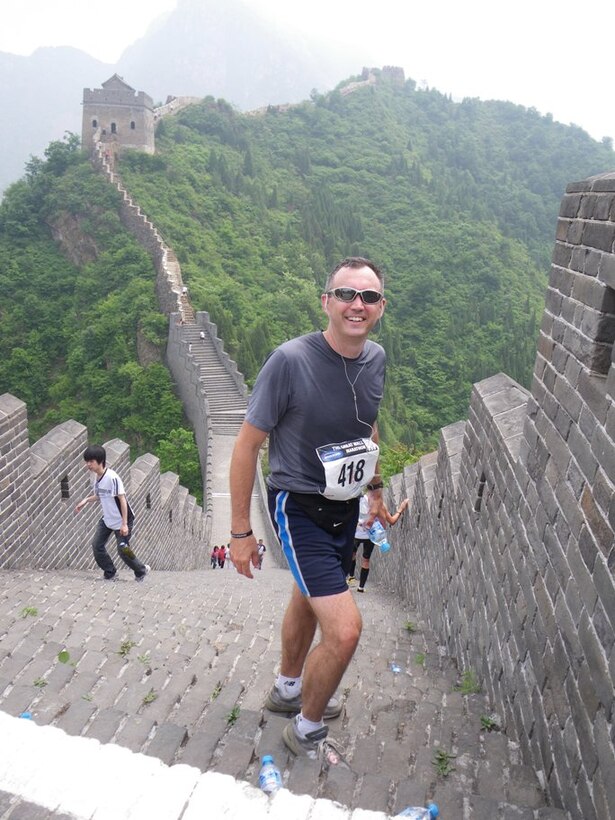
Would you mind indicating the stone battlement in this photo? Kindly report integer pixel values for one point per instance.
(41, 484)
(508, 547)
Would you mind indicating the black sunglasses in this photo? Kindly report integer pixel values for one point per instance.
(368, 297)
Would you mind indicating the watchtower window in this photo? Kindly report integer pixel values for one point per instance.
(133, 125)
(113, 128)
(94, 123)
(64, 488)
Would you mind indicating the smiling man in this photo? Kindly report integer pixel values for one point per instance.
(317, 397)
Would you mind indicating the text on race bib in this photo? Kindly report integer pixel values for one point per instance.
(348, 466)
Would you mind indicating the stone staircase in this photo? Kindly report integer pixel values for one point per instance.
(227, 405)
(177, 668)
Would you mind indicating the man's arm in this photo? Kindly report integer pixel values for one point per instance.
(124, 512)
(242, 473)
(89, 500)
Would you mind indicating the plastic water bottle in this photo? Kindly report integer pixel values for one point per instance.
(378, 535)
(269, 777)
(427, 812)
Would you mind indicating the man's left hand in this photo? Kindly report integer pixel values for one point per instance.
(244, 552)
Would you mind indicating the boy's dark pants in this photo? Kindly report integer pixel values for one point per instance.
(102, 557)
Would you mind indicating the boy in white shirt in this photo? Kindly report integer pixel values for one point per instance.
(118, 517)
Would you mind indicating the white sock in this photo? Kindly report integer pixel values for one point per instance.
(288, 687)
(304, 725)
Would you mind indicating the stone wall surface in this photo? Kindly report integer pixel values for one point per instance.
(40, 486)
(508, 550)
(189, 389)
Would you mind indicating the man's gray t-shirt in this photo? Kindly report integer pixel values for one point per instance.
(304, 397)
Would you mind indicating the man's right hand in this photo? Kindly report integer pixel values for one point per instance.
(244, 552)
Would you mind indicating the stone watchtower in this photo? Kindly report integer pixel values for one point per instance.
(121, 116)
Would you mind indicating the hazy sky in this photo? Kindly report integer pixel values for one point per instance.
(554, 55)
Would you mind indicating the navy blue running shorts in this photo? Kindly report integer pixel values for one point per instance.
(318, 560)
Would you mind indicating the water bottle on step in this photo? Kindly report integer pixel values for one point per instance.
(269, 777)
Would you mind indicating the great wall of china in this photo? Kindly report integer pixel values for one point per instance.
(508, 551)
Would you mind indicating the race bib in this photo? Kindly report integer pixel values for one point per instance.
(348, 466)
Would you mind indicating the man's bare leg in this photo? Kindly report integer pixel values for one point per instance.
(298, 630)
(340, 624)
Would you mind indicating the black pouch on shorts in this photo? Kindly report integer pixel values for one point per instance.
(329, 515)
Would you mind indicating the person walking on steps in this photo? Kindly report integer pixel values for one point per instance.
(117, 518)
(362, 540)
(317, 397)
(262, 549)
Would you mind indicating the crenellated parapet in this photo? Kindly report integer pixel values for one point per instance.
(41, 484)
(508, 546)
(174, 105)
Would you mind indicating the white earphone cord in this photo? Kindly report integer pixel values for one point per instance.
(354, 395)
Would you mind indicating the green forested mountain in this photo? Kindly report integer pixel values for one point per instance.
(456, 201)
(84, 340)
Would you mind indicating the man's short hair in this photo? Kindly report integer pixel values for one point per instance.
(95, 453)
(355, 262)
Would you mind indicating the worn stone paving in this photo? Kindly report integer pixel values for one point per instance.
(178, 667)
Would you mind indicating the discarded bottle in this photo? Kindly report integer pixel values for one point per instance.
(378, 535)
(395, 668)
(269, 777)
(427, 812)
(26, 715)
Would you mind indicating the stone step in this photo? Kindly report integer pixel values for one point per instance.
(223, 411)
(221, 381)
(233, 405)
(46, 775)
(151, 668)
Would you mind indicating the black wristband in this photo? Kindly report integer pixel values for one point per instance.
(377, 486)
(241, 534)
